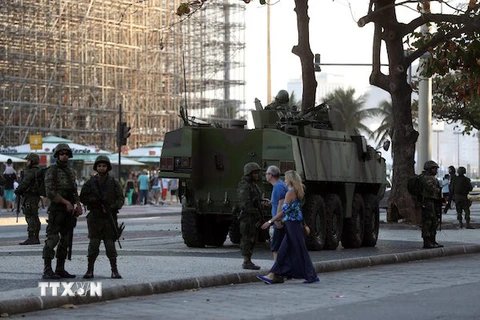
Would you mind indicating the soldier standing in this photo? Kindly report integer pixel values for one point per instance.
(30, 191)
(431, 198)
(61, 189)
(249, 197)
(461, 186)
(103, 196)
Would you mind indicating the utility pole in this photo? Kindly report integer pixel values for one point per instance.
(424, 152)
(269, 67)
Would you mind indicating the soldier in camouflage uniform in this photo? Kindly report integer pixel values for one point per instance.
(249, 197)
(461, 186)
(281, 101)
(61, 189)
(431, 199)
(29, 190)
(98, 193)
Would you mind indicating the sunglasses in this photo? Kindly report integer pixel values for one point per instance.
(63, 153)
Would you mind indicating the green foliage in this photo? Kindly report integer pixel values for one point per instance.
(349, 112)
(454, 65)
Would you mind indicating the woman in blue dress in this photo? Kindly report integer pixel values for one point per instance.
(293, 260)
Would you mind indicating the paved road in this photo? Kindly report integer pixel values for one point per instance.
(443, 288)
(154, 258)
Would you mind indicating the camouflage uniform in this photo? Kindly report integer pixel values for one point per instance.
(461, 186)
(60, 187)
(431, 204)
(29, 190)
(97, 192)
(249, 197)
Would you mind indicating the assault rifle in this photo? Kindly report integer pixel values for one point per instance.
(106, 206)
(18, 204)
(72, 222)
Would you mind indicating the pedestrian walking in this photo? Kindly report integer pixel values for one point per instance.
(29, 189)
(279, 191)
(249, 198)
(461, 186)
(293, 260)
(103, 196)
(431, 200)
(62, 191)
(451, 176)
(143, 187)
(10, 177)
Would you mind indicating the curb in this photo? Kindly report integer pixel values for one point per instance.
(37, 303)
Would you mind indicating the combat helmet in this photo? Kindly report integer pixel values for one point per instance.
(282, 96)
(62, 147)
(103, 159)
(251, 167)
(462, 170)
(430, 164)
(33, 157)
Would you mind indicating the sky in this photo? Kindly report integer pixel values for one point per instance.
(334, 34)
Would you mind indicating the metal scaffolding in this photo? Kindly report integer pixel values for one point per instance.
(67, 65)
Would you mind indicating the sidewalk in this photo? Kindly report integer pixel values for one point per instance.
(158, 265)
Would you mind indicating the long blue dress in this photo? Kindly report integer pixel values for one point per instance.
(293, 259)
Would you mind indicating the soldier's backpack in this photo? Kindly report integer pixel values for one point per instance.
(414, 185)
(40, 182)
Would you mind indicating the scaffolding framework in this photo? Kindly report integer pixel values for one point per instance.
(67, 65)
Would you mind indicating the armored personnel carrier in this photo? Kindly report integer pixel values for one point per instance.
(343, 176)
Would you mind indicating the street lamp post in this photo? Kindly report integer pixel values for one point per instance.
(458, 131)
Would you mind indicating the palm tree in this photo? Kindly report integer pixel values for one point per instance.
(385, 130)
(347, 113)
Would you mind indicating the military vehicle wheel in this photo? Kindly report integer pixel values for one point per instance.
(215, 230)
(354, 227)
(191, 230)
(314, 215)
(334, 219)
(372, 220)
(234, 231)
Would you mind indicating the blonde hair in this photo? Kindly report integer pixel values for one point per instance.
(296, 181)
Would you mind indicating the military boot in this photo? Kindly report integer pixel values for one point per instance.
(47, 270)
(469, 226)
(36, 239)
(89, 273)
(30, 240)
(113, 265)
(60, 270)
(427, 244)
(435, 243)
(460, 223)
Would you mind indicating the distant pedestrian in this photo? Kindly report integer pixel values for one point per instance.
(143, 187)
(278, 196)
(130, 188)
(445, 188)
(451, 176)
(431, 199)
(293, 260)
(174, 190)
(461, 186)
(10, 177)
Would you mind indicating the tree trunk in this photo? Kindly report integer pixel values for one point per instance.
(304, 52)
(400, 204)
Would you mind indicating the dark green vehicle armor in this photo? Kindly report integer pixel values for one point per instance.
(343, 176)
